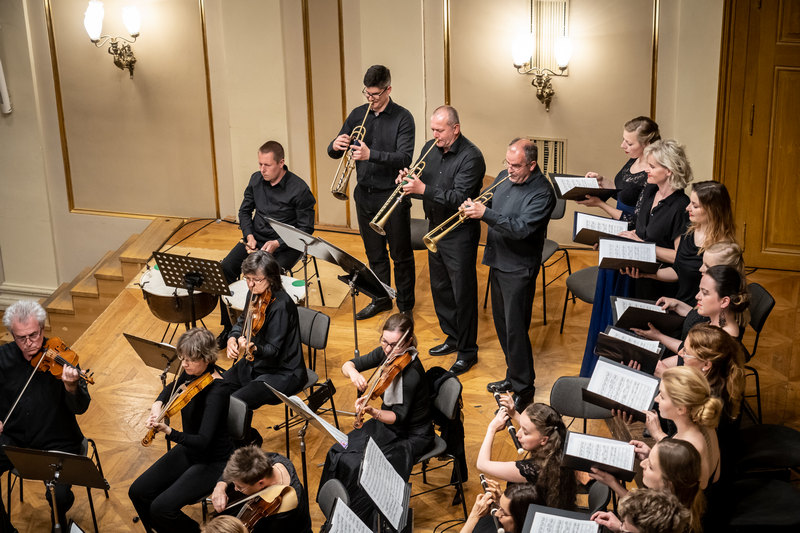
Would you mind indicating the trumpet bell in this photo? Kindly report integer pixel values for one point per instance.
(378, 227)
(431, 243)
(340, 195)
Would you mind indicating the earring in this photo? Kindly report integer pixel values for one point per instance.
(722, 320)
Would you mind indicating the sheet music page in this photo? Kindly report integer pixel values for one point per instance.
(299, 405)
(383, 484)
(622, 385)
(601, 224)
(647, 344)
(565, 183)
(549, 523)
(601, 450)
(634, 251)
(622, 305)
(346, 521)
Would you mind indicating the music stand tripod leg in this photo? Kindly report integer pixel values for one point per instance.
(353, 294)
(302, 435)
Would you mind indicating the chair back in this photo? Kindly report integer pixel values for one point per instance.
(239, 418)
(447, 398)
(761, 304)
(566, 398)
(559, 209)
(314, 327)
(419, 227)
(599, 496)
(332, 490)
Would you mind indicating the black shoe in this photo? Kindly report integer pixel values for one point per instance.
(222, 338)
(442, 349)
(462, 365)
(523, 399)
(375, 307)
(499, 386)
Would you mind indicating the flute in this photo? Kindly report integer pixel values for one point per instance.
(492, 506)
(510, 427)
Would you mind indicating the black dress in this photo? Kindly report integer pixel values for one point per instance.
(630, 186)
(298, 520)
(402, 442)
(688, 261)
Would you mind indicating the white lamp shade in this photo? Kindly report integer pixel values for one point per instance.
(132, 19)
(563, 52)
(93, 19)
(522, 49)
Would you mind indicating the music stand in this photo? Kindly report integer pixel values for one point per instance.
(57, 467)
(158, 355)
(190, 273)
(386, 488)
(358, 276)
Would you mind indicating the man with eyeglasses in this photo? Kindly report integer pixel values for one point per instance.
(387, 147)
(453, 172)
(275, 192)
(44, 418)
(517, 216)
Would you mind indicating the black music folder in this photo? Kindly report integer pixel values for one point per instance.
(619, 254)
(582, 452)
(623, 346)
(574, 187)
(616, 386)
(589, 229)
(634, 313)
(541, 519)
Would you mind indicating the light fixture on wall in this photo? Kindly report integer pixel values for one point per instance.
(546, 44)
(119, 47)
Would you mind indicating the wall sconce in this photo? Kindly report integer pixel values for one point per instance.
(119, 47)
(552, 46)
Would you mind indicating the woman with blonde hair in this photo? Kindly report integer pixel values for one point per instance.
(225, 524)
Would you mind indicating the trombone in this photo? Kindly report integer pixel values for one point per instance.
(386, 210)
(432, 238)
(347, 164)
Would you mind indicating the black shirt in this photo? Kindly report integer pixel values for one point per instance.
(290, 202)
(667, 220)
(687, 265)
(517, 221)
(44, 419)
(390, 139)
(450, 178)
(298, 520)
(204, 421)
(630, 186)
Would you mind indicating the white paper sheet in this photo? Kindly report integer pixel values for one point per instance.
(601, 450)
(565, 184)
(548, 523)
(633, 251)
(601, 224)
(622, 304)
(344, 520)
(623, 385)
(383, 484)
(647, 344)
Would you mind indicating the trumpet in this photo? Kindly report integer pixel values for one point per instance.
(386, 210)
(432, 238)
(347, 164)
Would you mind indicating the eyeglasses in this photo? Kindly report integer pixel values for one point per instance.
(372, 96)
(33, 337)
(388, 344)
(509, 166)
(684, 355)
(248, 279)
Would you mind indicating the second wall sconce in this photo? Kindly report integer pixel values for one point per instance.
(119, 47)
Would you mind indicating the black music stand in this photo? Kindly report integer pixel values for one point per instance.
(58, 467)
(358, 276)
(190, 273)
(158, 355)
(379, 479)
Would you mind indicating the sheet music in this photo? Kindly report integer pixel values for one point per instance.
(634, 251)
(383, 484)
(622, 385)
(622, 304)
(647, 344)
(549, 523)
(601, 450)
(346, 521)
(601, 224)
(565, 184)
(299, 405)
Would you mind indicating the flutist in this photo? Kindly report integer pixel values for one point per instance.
(453, 173)
(387, 147)
(517, 216)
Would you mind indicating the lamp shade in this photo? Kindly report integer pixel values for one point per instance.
(93, 19)
(563, 52)
(522, 49)
(132, 20)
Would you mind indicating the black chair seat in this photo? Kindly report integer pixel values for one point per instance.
(763, 505)
(439, 447)
(767, 447)
(582, 283)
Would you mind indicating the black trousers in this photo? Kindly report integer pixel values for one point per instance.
(172, 482)
(232, 268)
(512, 305)
(454, 286)
(250, 388)
(398, 237)
(64, 496)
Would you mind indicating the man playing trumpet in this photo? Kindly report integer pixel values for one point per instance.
(387, 147)
(517, 216)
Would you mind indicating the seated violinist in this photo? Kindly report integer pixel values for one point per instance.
(275, 353)
(401, 427)
(44, 418)
(188, 471)
(251, 471)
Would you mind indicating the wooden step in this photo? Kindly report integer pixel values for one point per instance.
(61, 299)
(109, 268)
(87, 285)
(151, 239)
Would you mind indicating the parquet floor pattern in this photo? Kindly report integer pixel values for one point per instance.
(126, 388)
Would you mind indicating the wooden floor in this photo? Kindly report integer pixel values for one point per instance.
(125, 387)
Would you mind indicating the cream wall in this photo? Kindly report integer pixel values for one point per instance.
(258, 91)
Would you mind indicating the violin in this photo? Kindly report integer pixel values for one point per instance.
(254, 318)
(178, 401)
(380, 380)
(54, 356)
(272, 500)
